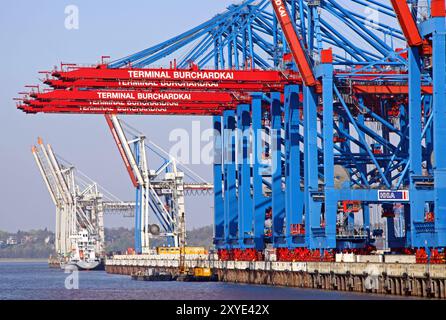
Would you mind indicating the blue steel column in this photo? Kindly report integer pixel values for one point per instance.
(245, 211)
(312, 214)
(366, 219)
(278, 196)
(260, 201)
(415, 147)
(219, 215)
(328, 150)
(427, 103)
(363, 169)
(230, 198)
(293, 194)
(439, 101)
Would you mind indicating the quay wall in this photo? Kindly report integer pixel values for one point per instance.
(402, 279)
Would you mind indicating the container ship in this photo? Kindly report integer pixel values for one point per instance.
(83, 256)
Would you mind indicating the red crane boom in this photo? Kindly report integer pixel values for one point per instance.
(104, 73)
(164, 85)
(138, 95)
(203, 111)
(121, 150)
(407, 23)
(300, 56)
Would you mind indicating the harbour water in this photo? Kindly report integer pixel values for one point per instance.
(35, 281)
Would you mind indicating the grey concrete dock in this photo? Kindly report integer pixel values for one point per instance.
(403, 279)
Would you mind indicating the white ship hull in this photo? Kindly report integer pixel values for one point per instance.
(90, 265)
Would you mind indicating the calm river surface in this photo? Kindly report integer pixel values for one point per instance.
(35, 281)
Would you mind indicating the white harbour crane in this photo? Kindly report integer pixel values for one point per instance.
(80, 207)
(160, 191)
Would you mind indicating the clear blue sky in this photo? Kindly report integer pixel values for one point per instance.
(33, 38)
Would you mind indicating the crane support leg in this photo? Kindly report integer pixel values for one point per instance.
(415, 146)
(231, 213)
(328, 136)
(260, 202)
(244, 177)
(278, 195)
(293, 194)
(439, 101)
(313, 231)
(219, 214)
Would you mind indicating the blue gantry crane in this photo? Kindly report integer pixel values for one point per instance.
(338, 112)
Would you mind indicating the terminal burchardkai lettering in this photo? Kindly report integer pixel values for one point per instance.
(250, 76)
(144, 96)
(181, 75)
(138, 95)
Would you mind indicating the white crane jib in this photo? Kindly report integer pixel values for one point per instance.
(136, 165)
(80, 202)
(60, 194)
(150, 188)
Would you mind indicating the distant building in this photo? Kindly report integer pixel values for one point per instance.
(28, 239)
(11, 241)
